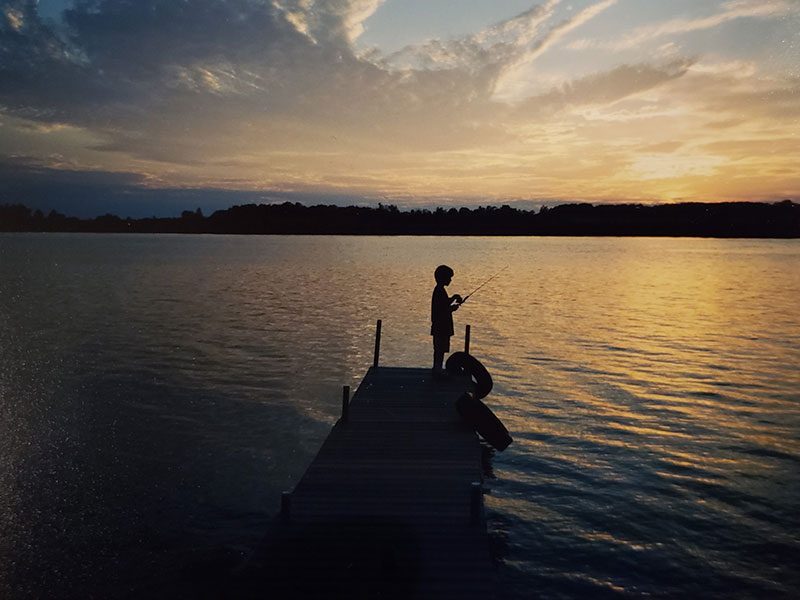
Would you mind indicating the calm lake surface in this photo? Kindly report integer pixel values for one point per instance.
(157, 393)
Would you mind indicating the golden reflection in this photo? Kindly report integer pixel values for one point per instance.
(603, 536)
(692, 478)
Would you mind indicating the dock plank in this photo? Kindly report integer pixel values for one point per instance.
(384, 510)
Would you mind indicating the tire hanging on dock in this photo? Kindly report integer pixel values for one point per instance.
(484, 421)
(463, 363)
(469, 404)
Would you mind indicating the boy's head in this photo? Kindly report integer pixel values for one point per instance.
(443, 274)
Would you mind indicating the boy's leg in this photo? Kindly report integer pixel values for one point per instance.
(441, 345)
(438, 359)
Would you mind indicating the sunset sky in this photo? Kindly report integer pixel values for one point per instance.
(146, 107)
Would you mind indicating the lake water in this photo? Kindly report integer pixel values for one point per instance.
(157, 393)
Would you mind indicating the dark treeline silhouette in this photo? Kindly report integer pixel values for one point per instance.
(727, 219)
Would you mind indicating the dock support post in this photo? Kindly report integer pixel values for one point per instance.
(475, 497)
(377, 344)
(286, 505)
(466, 340)
(345, 402)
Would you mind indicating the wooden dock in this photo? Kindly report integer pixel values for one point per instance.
(392, 505)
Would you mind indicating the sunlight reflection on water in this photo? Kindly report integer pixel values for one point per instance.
(158, 392)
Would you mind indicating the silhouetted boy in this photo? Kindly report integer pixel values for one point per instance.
(442, 308)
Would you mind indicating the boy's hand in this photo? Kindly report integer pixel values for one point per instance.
(457, 299)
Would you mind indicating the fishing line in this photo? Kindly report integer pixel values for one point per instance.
(483, 284)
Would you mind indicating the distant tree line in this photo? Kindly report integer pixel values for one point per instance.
(727, 219)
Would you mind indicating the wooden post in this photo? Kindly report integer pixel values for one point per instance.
(345, 403)
(286, 505)
(475, 497)
(377, 344)
(466, 340)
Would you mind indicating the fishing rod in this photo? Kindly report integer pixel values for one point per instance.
(483, 284)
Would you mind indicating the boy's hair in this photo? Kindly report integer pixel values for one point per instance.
(442, 272)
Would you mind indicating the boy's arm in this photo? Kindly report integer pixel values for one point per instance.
(455, 298)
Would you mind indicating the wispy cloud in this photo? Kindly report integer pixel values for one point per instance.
(495, 46)
(326, 20)
(735, 9)
(15, 18)
(605, 88)
(513, 70)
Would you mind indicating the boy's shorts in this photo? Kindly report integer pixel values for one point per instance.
(441, 343)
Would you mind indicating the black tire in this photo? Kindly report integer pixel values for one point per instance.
(463, 363)
(484, 421)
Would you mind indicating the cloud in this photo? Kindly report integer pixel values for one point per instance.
(514, 70)
(734, 93)
(83, 193)
(748, 148)
(605, 88)
(662, 147)
(273, 94)
(146, 71)
(495, 46)
(734, 9)
(14, 18)
(182, 82)
(500, 52)
(328, 20)
(560, 30)
(116, 58)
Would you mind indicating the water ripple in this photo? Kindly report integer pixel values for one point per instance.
(157, 393)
